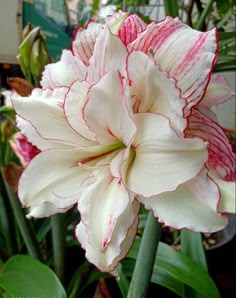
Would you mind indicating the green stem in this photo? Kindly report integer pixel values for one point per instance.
(24, 225)
(171, 8)
(58, 240)
(145, 260)
(204, 14)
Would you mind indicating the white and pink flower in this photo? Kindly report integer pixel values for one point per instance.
(119, 123)
(23, 149)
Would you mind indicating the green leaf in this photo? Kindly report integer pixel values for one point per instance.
(226, 35)
(228, 49)
(223, 6)
(123, 282)
(43, 229)
(8, 112)
(205, 13)
(225, 66)
(5, 295)
(171, 8)
(175, 266)
(95, 7)
(77, 278)
(26, 277)
(1, 267)
(93, 276)
(192, 246)
(227, 58)
(159, 276)
(82, 278)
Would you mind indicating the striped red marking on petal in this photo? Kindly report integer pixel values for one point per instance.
(130, 29)
(155, 35)
(221, 158)
(185, 54)
(84, 41)
(191, 56)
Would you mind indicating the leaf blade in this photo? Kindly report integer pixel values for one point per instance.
(26, 276)
(182, 268)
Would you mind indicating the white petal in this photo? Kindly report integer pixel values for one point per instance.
(116, 20)
(227, 195)
(154, 91)
(218, 91)
(75, 100)
(100, 193)
(108, 113)
(108, 260)
(193, 205)
(121, 162)
(63, 72)
(109, 52)
(29, 130)
(185, 54)
(44, 110)
(45, 209)
(56, 176)
(108, 221)
(162, 160)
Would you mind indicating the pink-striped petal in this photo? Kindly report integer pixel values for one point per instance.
(63, 72)
(130, 29)
(84, 40)
(191, 66)
(221, 160)
(207, 112)
(193, 205)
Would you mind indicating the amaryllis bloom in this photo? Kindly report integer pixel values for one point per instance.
(23, 149)
(118, 124)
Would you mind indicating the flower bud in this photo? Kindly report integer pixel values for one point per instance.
(27, 29)
(25, 52)
(39, 58)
